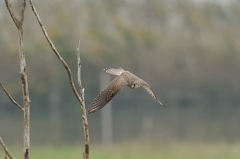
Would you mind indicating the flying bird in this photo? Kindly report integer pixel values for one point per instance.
(124, 78)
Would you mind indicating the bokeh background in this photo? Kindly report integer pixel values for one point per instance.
(187, 50)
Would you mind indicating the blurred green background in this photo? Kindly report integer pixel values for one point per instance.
(187, 50)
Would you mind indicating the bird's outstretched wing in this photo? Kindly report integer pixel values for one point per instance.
(107, 94)
(146, 86)
(114, 71)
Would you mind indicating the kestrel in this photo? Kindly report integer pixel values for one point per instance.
(123, 78)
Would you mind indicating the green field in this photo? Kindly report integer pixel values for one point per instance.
(136, 151)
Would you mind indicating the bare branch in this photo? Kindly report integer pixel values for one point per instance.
(5, 149)
(83, 108)
(9, 96)
(80, 98)
(86, 132)
(56, 53)
(23, 6)
(25, 92)
(79, 67)
(11, 12)
(23, 72)
(17, 22)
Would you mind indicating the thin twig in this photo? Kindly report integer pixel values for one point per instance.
(11, 12)
(83, 108)
(5, 149)
(79, 63)
(23, 6)
(9, 96)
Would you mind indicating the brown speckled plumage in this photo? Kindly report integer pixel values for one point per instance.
(123, 78)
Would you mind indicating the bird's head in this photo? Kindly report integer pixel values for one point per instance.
(135, 86)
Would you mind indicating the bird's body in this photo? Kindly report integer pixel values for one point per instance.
(123, 78)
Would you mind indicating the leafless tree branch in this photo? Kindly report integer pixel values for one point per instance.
(23, 72)
(23, 6)
(79, 65)
(84, 115)
(17, 22)
(5, 149)
(11, 12)
(56, 53)
(80, 98)
(9, 96)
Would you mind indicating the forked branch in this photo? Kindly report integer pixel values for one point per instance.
(23, 73)
(17, 22)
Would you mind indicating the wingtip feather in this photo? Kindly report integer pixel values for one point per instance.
(160, 103)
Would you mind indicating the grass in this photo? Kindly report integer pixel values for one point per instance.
(135, 151)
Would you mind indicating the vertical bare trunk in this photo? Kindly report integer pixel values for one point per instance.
(23, 69)
(26, 100)
(83, 107)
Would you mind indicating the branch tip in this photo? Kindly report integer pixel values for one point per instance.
(7, 153)
(10, 97)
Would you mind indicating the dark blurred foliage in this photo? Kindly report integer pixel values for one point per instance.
(187, 51)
